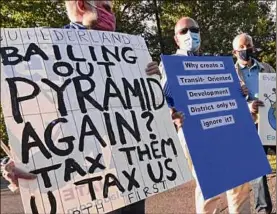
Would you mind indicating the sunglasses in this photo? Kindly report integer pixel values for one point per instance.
(191, 29)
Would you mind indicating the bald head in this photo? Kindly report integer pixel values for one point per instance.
(187, 34)
(185, 22)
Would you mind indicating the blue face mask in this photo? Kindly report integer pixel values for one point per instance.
(246, 55)
(189, 41)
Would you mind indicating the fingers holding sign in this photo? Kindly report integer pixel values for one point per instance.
(177, 117)
(152, 69)
(254, 107)
(12, 173)
(244, 90)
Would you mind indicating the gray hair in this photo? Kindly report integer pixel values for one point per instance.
(245, 35)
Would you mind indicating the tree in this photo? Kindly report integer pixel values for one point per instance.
(130, 16)
(134, 17)
(33, 13)
(220, 22)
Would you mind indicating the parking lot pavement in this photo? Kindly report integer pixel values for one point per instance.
(178, 200)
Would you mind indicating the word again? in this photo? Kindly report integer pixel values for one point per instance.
(47, 146)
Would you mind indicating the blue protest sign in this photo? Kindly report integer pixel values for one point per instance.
(222, 139)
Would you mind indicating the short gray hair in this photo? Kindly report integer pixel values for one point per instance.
(245, 35)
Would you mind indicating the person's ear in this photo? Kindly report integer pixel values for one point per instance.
(176, 40)
(80, 6)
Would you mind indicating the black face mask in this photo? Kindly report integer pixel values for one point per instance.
(246, 55)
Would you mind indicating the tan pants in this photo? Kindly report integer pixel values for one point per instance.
(238, 198)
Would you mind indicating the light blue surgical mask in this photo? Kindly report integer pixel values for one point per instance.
(189, 41)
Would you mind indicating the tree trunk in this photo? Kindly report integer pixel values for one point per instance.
(158, 22)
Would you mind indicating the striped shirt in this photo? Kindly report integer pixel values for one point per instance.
(75, 25)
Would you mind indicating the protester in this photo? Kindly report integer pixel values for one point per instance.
(248, 70)
(97, 15)
(187, 38)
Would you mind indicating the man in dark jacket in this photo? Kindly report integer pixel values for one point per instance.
(84, 14)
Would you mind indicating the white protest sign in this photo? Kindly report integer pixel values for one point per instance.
(82, 115)
(267, 114)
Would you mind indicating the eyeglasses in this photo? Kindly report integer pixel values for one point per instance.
(191, 29)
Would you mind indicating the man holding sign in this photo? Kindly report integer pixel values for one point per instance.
(88, 15)
(248, 70)
(83, 15)
(187, 37)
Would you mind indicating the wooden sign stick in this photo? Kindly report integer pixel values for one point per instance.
(6, 149)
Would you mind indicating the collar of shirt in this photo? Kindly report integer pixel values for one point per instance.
(254, 65)
(75, 25)
(190, 53)
(185, 52)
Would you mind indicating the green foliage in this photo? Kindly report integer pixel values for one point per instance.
(272, 162)
(221, 21)
(3, 134)
(33, 13)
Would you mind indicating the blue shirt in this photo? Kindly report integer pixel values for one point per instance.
(251, 79)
